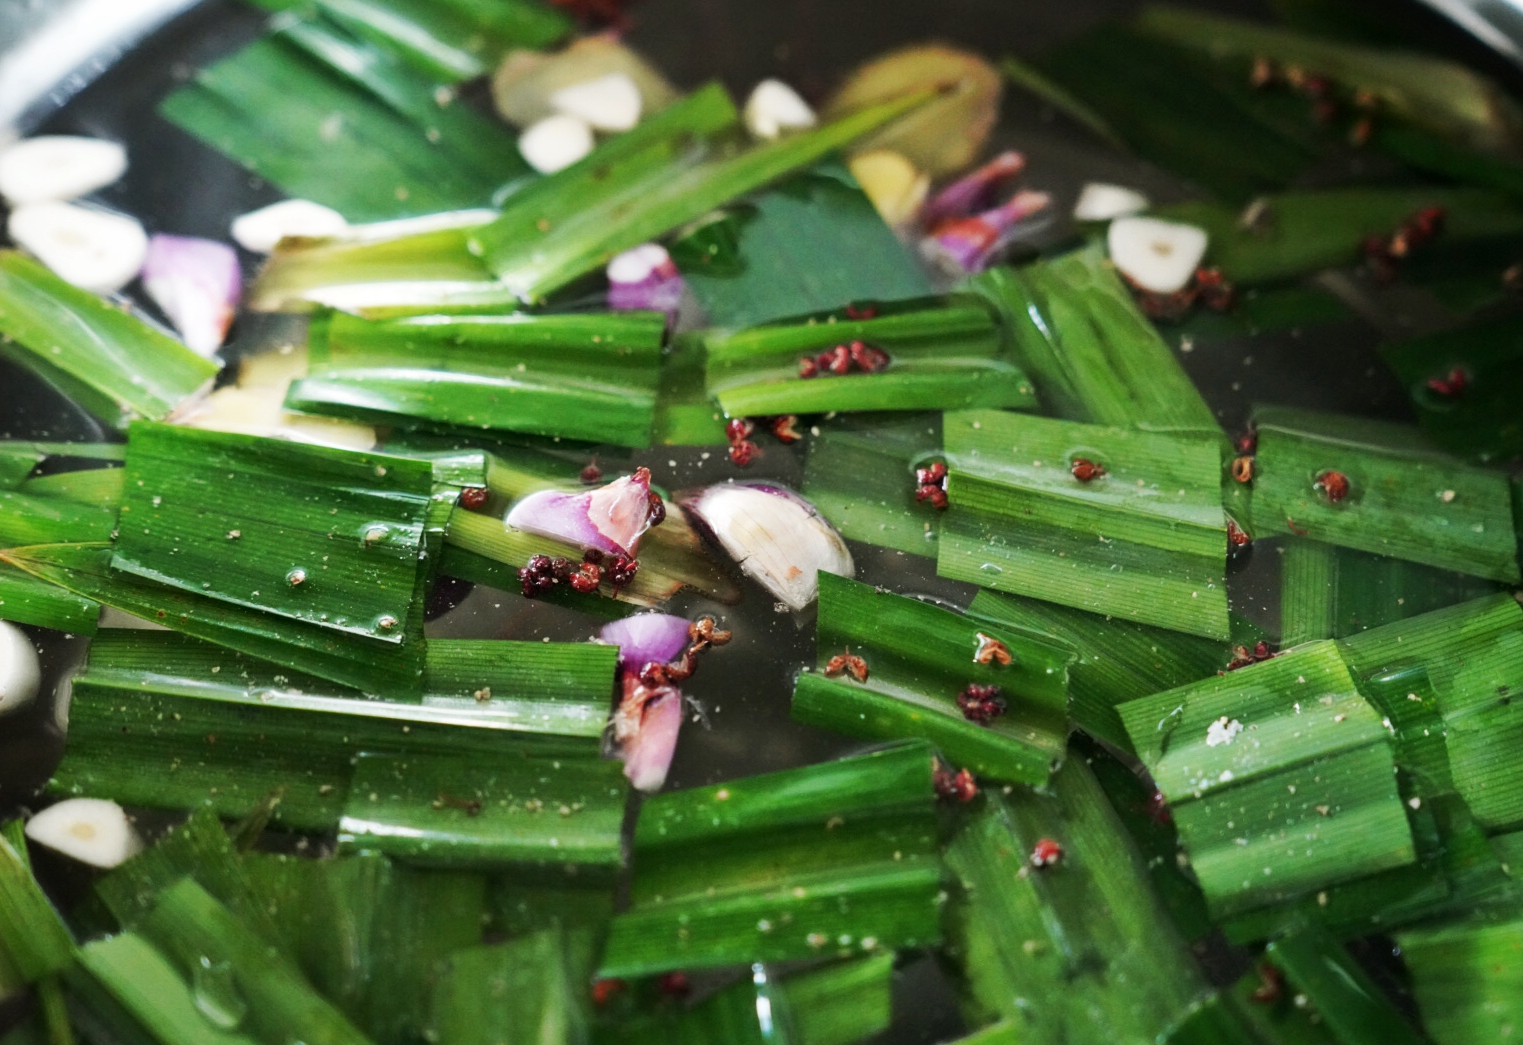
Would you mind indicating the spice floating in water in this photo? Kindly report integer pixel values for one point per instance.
(991, 651)
(846, 663)
(981, 704)
(1085, 470)
(1046, 853)
(1334, 486)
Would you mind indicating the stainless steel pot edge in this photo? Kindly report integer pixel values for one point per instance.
(50, 49)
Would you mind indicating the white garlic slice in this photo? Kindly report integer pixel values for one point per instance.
(776, 536)
(94, 249)
(891, 181)
(610, 102)
(555, 143)
(261, 231)
(1160, 256)
(58, 167)
(1099, 201)
(94, 831)
(20, 674)
(773, 108)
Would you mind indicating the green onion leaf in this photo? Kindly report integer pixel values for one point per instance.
(1116, 661)
(162, 720)
(1279, 775)
(590, 377)
(1399, 501)
(161, 998)
(860, 474)
(685, 415)
(329, 117)
(1314, 229)
(826, 860)
(26, 599)
(1467, 978)
(327, 537)
(447, 40)
(522, 986)
(1353, 1005)
(32, 936)
(809, 244)
(1080, 950)
(626, 194)
(109, 361)
(920, 657)
(1093, 355)
(438, 811)
(940, 356)
(1147, 541)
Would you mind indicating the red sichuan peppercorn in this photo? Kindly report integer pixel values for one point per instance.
(1045, 853)
(1332, 485)
(474, 498)
(959, 785)
(981, 704)
(1085, 470)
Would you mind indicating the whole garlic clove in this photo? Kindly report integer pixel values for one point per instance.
(1099, 201)
(93, 249)
(1160, 256)
(555, 143)
(20, 673)
(58, 167)
(644, 278)
(93, 831)
(774, 108)
(260, 231)
(610, 102)
(776, 536)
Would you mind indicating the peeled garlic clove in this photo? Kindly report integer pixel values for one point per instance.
(525, 82)
(1160, 256)
(645, 638)
(261, 231)
(20, 674)
(1099, 201)
(976, 191)
(610, 519)
(94, 831)
(90, 248)
(644, 278)
(896, 188)
(776, 536)
(197, 283)
(610, 102)
(774, 108)
(58, 167)
(555, 143)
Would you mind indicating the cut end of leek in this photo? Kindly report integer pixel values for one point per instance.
(58, 167)
(1160, 256)
(20, 675)
(94, 831)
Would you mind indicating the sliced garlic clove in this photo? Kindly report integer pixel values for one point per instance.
(976, 191)
(648, 753)
(197, 283)
(644, 278)
(93, 831)
(775, 108)
(93, 249)
(1160, 256)
(776, 536)
(645, 638)
(261, 231)
(891, 181)
(555, 143)
(20, 673)
(1099, 201)
(610, 102)
(58, 167)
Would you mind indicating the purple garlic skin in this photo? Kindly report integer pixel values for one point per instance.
(973, 192)
(644, 279)
(198, 284)
(971, 244)
(776, 536)
(646, 638)
(610, 519)
(645, 728)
